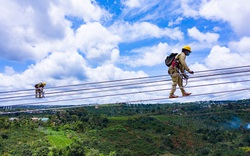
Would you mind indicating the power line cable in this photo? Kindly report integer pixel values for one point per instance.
(117, 94)
(132, 101)
(149, 77)
(113, 86)
(146, 82)
(128, 84)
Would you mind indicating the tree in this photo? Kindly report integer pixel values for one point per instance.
(76, 149)
(42, 151)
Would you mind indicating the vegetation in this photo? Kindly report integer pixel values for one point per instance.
(208, 128)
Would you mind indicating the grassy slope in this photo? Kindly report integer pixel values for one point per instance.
(58, 139)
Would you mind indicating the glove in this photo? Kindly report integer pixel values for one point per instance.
(191, 72)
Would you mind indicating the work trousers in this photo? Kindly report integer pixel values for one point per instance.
(39, 92)
(176, 80)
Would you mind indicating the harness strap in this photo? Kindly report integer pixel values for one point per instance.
(175, 64)
(185, 78)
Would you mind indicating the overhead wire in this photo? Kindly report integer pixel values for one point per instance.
(125, 86)
(138, 85)
(121, 80)
(232, 72)
(132, 101)
(96, 90)
(153, 85)
(126, 93)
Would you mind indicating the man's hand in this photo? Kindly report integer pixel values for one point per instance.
(191, 72)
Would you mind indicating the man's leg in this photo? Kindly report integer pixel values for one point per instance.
(174, 84)
(40, 93)
(180, 84)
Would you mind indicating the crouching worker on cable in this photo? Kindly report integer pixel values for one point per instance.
(177, 69)
(39, 89)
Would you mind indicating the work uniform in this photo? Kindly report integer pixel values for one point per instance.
(177, 67)
(39, 89)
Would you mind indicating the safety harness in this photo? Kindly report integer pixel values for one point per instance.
(184, 76)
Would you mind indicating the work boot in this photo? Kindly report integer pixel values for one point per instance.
(186, 94)
(173, 96)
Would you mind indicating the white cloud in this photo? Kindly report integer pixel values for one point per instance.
(203, 37)
(23, 30)
(144, 30)
(198, 67)
(63, 68)
(176, 22)
(132, 3)
(235, 12)
(9, 70)
(41, 27)
(87, 9)
(189, 8)
(115, 55)
(147, 10)
(148, 56)
(242, 46)
(95, 40)
(110, 72)
(219, 57)
(57, 69)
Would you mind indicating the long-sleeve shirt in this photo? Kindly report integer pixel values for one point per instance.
(182, 66)
(182, 63)
(39, 85)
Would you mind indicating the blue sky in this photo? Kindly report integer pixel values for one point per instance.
(73, 42)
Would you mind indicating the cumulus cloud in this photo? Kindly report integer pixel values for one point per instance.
(57, 68)
(189, 8)
(148, 56)
(176, 22)
(32, 25)
(9, 70)
(219, 57)
(203, 37)
(94, 40)
(39, 24)
(63, 68)
(110, 72)
(234, 12)
(132, 3)
(144, 30)
(242, 46)
(86, 9)
(236, 55)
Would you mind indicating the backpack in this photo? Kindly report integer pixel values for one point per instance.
(169, 59)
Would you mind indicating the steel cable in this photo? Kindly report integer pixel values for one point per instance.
(146, 82)
(132, 101)
(97, 89)
(126, 93)
(121, 80)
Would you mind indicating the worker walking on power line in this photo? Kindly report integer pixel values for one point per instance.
(177, 69)
(39, 89)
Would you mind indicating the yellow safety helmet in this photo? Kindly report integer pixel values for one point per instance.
(44, 83)
(186, 47)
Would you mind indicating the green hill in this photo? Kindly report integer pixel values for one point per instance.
(207, 128)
